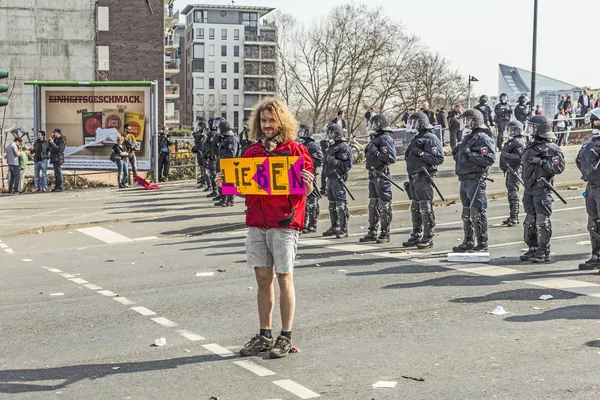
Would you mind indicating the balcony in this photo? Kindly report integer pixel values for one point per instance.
(171, 67)
(267, 37)
(171, 18)
(172, 92)
(172, 119)
(171, 42)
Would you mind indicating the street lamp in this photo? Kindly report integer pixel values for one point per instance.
(534, 54)
(471, 79)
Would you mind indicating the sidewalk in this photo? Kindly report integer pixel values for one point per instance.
(177, 201)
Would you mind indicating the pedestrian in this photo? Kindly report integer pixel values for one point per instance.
(405, 116)
(244, 135)
(120, 155)
(568, 103)
(485, 110)
(199, 136)
(542, 160)
(164, 155)
(380, 154)
(57, 143)
(339, 120)
(587, 162)
(440, 118)
(522, 109)
(569, 122)
(338, 162)
(503, 112)
(425, 110)
(171, 4)
(215, 145)
(368, 115)
(561, 103)
(12, 159)
(538, 110)
(456, 125)
(228, 148)
(578, 118)
(424, 153)
(210, 160)
(130, 144)
(312, 210)
(510, 156)
(561, 126)
(41, 154)
(474, 156)
(273, 224)
(23, 160)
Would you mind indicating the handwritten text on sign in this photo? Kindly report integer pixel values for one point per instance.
(263, 175)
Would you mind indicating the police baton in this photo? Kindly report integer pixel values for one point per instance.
(549, 186)
(430, 179)
(344, 185)
(387, 178)
(479, 182)
(315, 190)
(597, 156)
(516, 174)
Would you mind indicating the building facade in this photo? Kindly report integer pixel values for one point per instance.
(230, 58)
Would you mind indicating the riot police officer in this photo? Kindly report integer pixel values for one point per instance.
(228, 148)
(338, 162)
(313, 210)
(199, 139)
(215, 141)
(503, 112)
(244, 140)
(380, 154)
(485, 110)
(511, 157)
(522, 109)
(474, 156)
(424, 151)
(587, 162)
(542, 159)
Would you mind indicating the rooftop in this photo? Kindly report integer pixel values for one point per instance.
(262, 11)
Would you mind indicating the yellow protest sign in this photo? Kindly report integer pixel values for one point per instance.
(263, 176)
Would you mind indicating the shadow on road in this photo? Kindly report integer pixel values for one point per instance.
(518, 294)
(584, 311)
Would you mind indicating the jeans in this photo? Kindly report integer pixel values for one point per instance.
(122, 172)
(43, 166)
(58, 176)
(14, 174)
(133, 162)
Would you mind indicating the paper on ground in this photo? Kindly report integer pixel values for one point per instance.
(499, 310)
(57, 294)
(205, 274)
(546, 297)
(384, 384)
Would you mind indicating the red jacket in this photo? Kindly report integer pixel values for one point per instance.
(266, 211)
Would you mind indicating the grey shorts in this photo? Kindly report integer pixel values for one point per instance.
(272, 247)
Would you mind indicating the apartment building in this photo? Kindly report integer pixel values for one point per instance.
(230, 58)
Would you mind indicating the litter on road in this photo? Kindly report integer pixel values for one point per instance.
(546, 297)
(205, 274)
(160, 342)
(413, 379)
(384, 384)
(499, 310)
(57, 294)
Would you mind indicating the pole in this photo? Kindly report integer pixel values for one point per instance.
(534, 55)
(469, 94)
(154, 103)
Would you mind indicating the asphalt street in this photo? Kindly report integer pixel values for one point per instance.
(82, 308)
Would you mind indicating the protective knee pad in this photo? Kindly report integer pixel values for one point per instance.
(466, 214)
(385, 210)
(530, 231)
(513, 196)
(428, 217)
(544, 234)
(341, 209)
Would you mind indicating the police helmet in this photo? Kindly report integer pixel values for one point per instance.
(483, 99)
(503, 98)
(593, 118)
(418, 122)
(225, 128)
(378, 122)
(539, 126)
(304, 133)
(216, 122)
(334, 132)
(473, 119)
(514, 128)
(523, 99)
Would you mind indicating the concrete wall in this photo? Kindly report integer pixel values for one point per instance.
(44, 40)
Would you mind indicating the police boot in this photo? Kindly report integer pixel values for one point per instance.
(428, 217)
(594, 261)
(417, 223)
(333, 218)
(342, 214)
(385, 211)
(305, 228)
(480, 229)
(212, 194)
(513, 220)
(313, 217)
(468, 243)
(544, 234)
(374, 216)
(530, 238)
(228, 201)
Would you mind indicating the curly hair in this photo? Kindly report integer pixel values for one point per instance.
(287, 124)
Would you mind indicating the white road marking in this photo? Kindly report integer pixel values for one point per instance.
(143, 310)
(78, 281)
(3, 246)
(27, 259)
(141, 239)
(9, 251)
(190, 335)
(164, 322)
(105, 235)
(124, 300)
(91, 286)
(106, 293)
(218, 350)
(297, 389)
(314, 242)
(254, 368)
(352, 248)
(54, 270)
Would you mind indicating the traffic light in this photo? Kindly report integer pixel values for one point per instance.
(3, 88)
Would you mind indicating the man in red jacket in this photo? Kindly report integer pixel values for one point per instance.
(274, 223)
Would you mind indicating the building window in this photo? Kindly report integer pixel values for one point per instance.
(211, 83)
(223, 99)
(236, 67)
(211, 49)
(236, 34)
(250, 19)
(211, 34)
(223, 51)
(236, 51)
(201, 17)
(236, 100)
(224, 115)
(236, 83)
(199, 99)
(223, 67)
(198, 83)
(211, 66)
(223, 83)
(103, 24)
(223, 34)
(211, 99)
(198, 50)
(198, 65)
(236, 119)
(200, 33)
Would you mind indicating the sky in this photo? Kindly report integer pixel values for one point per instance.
(477, 35)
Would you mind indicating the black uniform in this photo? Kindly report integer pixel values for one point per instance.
(380, 153)
(228, 148)
(503, 113)
(521, 112)
(199, 139)
(541, 159)
(487, 113)
(424, 151)
(312, 200)
(474, 155)
(244, 141)
(213, 162)
(586, 161)
(164, 156)
(338, 162)
(210, 163)
(456, 126)
(511, 156)
(324, 146)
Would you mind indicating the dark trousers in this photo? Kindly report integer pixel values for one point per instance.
(455, 137)
(133, 162)
(164, 161)
(14, 174)
(58, 176)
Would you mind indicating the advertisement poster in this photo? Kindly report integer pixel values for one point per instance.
(82, 112)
